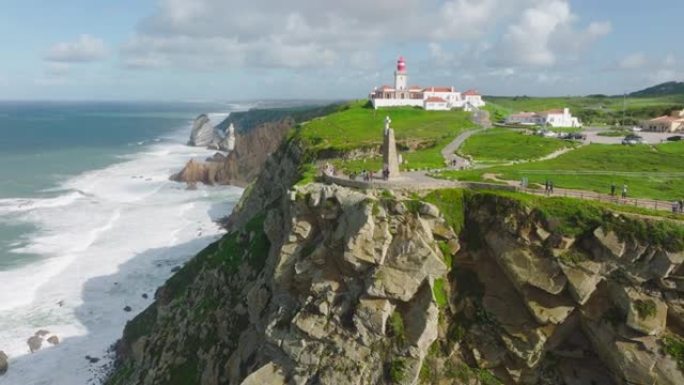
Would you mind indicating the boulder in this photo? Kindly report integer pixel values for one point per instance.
(429, 210)
(524, 267)
(372, 313)
(647, 315)
(53, 340)
(269, 374)
(421, 320)
(583, 278)
(388, 282)
(663, 263)
(42, 333)
(4, 364)
(609, 245)
(34, 343)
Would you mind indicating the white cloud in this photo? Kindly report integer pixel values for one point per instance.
(544, 32)
(633, 61)
(85, 49)
(268, 33)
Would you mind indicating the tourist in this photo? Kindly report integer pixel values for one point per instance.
(551, 187)
(612, 189)
(675, 207)
(546, 187)
(681, 205)
(624, 191)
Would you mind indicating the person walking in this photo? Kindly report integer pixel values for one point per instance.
(675, 206)
(546, 187)
(612, 189)
(681, 205)
(550, 187)
(624, 191)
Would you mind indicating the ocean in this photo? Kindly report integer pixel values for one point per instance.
(90, 225)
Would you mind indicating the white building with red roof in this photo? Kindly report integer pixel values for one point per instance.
(553, 118)
(668, 123)
(429, 98)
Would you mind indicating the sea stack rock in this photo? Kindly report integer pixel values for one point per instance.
(203, 133)
(34, 343)
(4, 364)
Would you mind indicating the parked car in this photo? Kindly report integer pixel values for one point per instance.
(633, 139)
(573, 136)
(675, 138)
(636, 129)
(547, 134)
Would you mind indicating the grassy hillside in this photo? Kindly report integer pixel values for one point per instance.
(358, 125)
(649, 171)
(499, 145)
(597, 109)
(420, 134)
(663, 89)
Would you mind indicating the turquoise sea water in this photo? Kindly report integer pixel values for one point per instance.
(43, 144)
(89, 221)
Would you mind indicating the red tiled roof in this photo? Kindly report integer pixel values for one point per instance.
(435, 99)
(386, 88)
(553, 112)
(667, 119)
(523, 115)
(471, 93)
(439, 89)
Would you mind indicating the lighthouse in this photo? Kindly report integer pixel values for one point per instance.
(400, 75)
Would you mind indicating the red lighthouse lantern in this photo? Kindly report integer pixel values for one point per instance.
(401, 64)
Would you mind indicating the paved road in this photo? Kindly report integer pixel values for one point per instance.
(649, 137)
(449, 152)
(481, 118)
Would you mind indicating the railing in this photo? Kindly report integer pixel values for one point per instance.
(594, 196)
(558, 192)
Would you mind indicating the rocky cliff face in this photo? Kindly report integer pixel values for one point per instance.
(242, 165)
(325, 285)
(259, 133)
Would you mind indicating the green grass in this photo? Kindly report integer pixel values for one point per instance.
(614, 133)
(450, 204)
(595, 109)
(655, 172)
(674, 347)
(441, 296)
(497, 145)
(575, 217)
(396, 323)
(358, 126)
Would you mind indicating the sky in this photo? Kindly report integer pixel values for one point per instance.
(229, 50)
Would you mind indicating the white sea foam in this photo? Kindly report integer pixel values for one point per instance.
(112, 235)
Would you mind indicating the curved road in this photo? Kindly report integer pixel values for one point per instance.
(481, 118)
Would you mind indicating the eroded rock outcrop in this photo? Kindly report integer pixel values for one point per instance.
(4, 363)
(241, 165)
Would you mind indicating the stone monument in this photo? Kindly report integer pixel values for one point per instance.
(390, 159)
(230, 139)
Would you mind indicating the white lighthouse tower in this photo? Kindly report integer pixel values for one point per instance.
(400, 75)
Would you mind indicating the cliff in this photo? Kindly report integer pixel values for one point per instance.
(319, 284)
(259, 133)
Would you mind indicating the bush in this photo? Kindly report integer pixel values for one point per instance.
(645, 308)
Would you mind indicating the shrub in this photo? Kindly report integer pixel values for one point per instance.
(645, 308)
